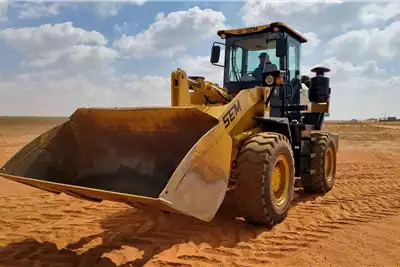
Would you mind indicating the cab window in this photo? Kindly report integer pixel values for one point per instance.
(294, 58)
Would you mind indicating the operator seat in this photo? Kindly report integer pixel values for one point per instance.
(268, 66)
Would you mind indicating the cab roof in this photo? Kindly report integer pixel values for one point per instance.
(261, 29)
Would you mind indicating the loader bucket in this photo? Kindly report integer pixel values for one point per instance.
(176, 159)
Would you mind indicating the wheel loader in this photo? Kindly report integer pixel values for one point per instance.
(251, 140)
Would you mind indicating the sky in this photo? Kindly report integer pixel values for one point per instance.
(59, 56)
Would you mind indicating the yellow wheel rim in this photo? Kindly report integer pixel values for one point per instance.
(280, 180)
(329, 162)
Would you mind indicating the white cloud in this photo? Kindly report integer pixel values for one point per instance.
(364, 97)
(367, 44)
(201, 66)
(373, 12)
(56, 93)
(107, 9)
(42, 8)
(324, 18)
(72, 67)
(344, 70)
(85, 57)
(111, 8)
(259, 11)
(37, 9)
(359, 91)
(119, 29)
(60, 45)
(312, 43)
(49, 37)
(3, 10)
(172, 33)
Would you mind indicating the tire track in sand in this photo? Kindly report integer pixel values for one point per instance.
(363, 193)
(359, 197)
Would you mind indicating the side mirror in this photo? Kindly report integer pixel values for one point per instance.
(215, 53)
(281, 47)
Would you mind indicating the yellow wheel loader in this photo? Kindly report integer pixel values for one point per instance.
(249, 140)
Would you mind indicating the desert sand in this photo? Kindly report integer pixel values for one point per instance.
(356, 224)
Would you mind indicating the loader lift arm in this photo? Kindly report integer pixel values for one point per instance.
(195, 90)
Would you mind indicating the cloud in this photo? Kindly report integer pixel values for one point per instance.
(3, 10)
(172, 33)
(359, 91)
(40, 8)
(111, 8)
(37, 10)
(373, 12)
(85, 57)
(57, 93)
(259, 11)
(201, 66)
(107, 9)
(367, 44)
(120, 29)
(49, 37)
(64, 67)
(344, 70)
(71, 67)
(60, 46)
(312, 43)
(324, 18)
(364, 97)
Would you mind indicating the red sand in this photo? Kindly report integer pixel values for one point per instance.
(356, 224)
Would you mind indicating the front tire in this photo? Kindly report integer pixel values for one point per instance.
(324, 165)
(264, 179)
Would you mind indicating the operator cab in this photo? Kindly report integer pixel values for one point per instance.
(276, 46)
(245, 49)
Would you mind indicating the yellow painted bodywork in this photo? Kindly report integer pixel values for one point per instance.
(280, 179)
(319, 107)
(176, 159)
(262, 28)
(329, 164)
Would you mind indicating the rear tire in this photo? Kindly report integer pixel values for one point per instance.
(264, 179)
(324, 164)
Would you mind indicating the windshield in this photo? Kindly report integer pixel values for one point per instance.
(244, 57)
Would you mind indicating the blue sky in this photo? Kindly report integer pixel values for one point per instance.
(58, 56)
(130, 20)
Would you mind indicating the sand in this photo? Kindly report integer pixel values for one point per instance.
(356, 224)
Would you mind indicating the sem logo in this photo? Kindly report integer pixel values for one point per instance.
(231, 114)
(252, 29)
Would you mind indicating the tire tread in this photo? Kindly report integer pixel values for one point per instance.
(253, 160)
(315, 182)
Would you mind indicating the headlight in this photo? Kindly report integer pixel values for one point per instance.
(269, 80)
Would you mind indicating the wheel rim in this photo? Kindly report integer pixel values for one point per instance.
(280, 180)
(329, 162)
